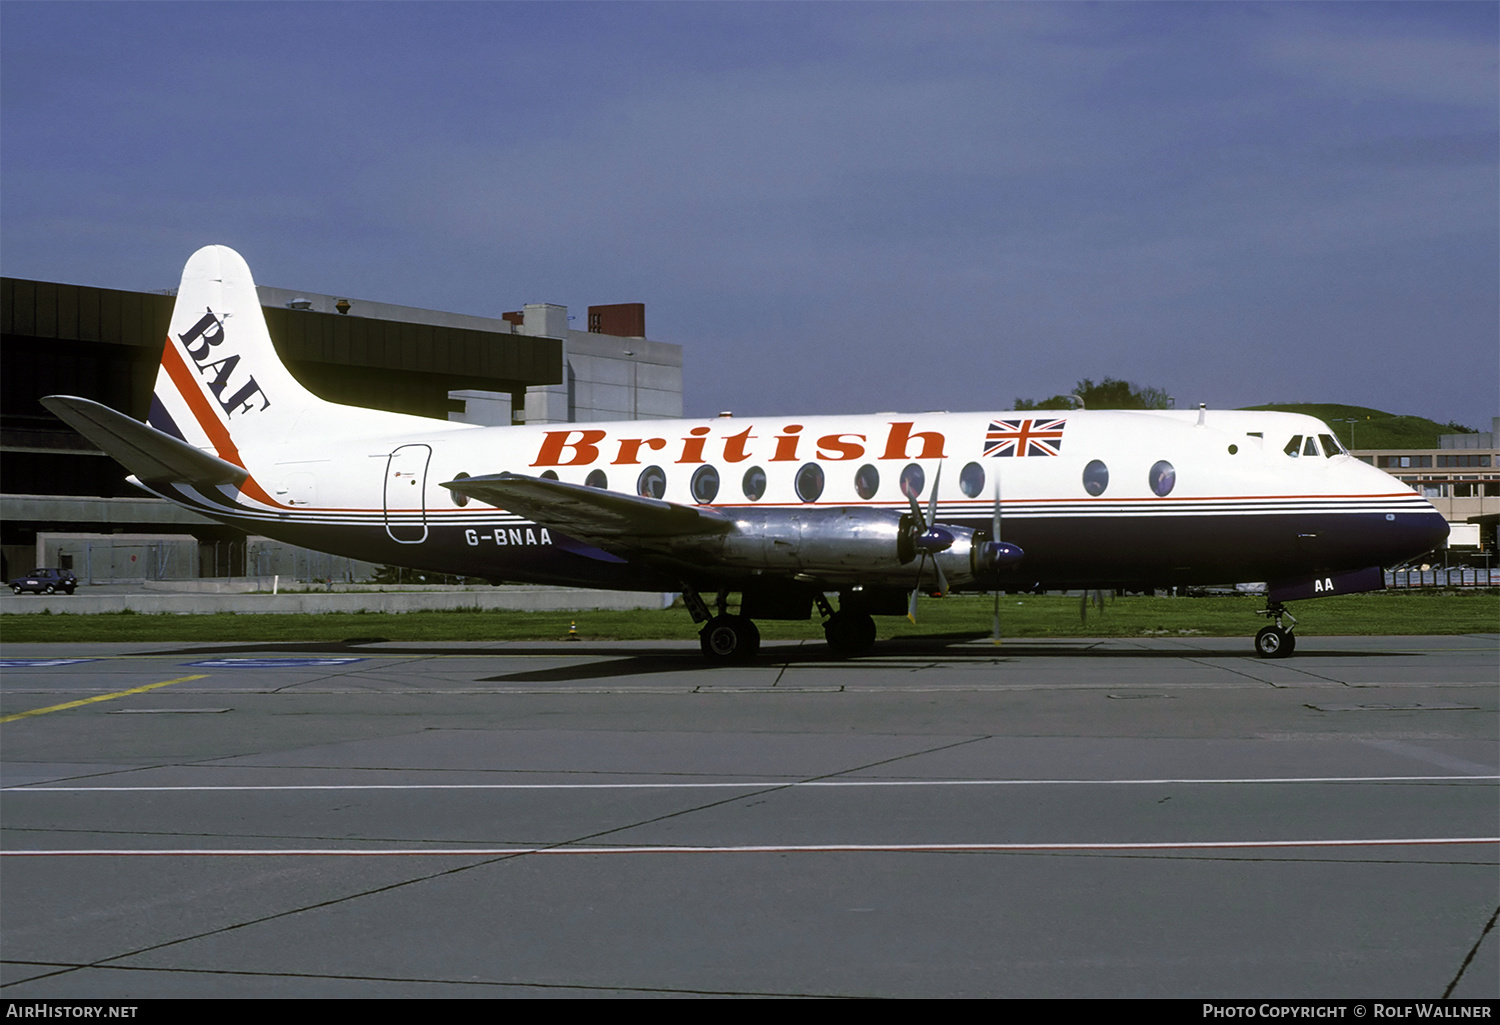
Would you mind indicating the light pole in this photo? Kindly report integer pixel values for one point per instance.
(1351, 421)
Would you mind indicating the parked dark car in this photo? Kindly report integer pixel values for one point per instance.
(45, 581)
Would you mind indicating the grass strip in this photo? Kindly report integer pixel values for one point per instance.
(1021, 616)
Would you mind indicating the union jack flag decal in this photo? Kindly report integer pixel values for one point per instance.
(1024, 438)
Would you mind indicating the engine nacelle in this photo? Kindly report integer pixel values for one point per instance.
(849, 545)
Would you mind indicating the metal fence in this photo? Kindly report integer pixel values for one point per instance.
(1413, 578)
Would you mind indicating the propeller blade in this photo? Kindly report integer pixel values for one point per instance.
(929, 540)
(932, 502)
(995, 519)
(995, 537)
(916, 511)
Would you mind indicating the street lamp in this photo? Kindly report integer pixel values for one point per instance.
(1351, 421)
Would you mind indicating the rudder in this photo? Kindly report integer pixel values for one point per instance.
(221, 383)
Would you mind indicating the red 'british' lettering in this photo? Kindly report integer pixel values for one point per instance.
(786, 444)
(898, 442)
(630, 448)
(734, 446)
(835, 443)
(692, 448)
(585, 449)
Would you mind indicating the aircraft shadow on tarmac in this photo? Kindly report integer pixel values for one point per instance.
(608, 661)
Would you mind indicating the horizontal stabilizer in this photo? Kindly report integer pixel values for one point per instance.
(587, 512)
(141, 448)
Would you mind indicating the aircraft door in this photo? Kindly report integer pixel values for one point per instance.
(405, 491)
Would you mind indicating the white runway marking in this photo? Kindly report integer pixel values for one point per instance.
(495, 852)
(271, 663)
(822, 783)
(41, 663)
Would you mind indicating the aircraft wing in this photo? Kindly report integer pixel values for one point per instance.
(142, 449)
(591, 513)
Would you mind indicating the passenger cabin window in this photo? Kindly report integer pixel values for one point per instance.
(705, 484)
(652, 483)
(809, 482)
(1294, 447)
(971, 480)
(1095, 477)
(754, 483)
(913, 480)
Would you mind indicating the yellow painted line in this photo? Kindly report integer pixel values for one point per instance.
(101, 697)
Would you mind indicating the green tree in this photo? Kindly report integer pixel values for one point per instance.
(1110, 393)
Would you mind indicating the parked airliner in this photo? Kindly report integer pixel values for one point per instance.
(783, 511)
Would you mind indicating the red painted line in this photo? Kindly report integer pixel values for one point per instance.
(188, 387)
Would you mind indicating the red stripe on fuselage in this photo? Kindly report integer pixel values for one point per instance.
(208, 419)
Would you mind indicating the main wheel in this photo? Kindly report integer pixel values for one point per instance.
(1274, 642)
(18, 589)
(729, 639)
(850, 634)
(51, 589)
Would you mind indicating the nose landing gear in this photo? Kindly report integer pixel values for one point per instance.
(1275, 640)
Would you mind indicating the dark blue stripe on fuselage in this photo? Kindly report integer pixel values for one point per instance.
(1062, 551)
(162, 420)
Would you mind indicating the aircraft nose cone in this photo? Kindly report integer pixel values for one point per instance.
(1407, 535)
(1429, 530)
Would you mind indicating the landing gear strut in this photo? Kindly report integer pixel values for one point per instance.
(849, 632)
(724, 638)
(730, 639)
(1276, 641)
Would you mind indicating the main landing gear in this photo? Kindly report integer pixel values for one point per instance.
(849, 632)
(728, 638)
(724, 638)
(1276, 641)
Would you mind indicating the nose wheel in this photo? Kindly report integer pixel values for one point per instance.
(1276, 640)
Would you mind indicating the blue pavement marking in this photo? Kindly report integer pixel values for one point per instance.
(269, 663)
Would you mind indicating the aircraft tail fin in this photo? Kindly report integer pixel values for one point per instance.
(221, 383)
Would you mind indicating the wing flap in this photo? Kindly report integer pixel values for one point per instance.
(141, 448)
(591, 513)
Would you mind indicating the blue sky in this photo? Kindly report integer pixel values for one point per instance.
(831, 207)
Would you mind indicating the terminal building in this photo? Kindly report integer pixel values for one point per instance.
(63, 503)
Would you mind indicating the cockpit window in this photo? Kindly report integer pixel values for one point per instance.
(1310, 447)
(1294, 447)
(1331, 446)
